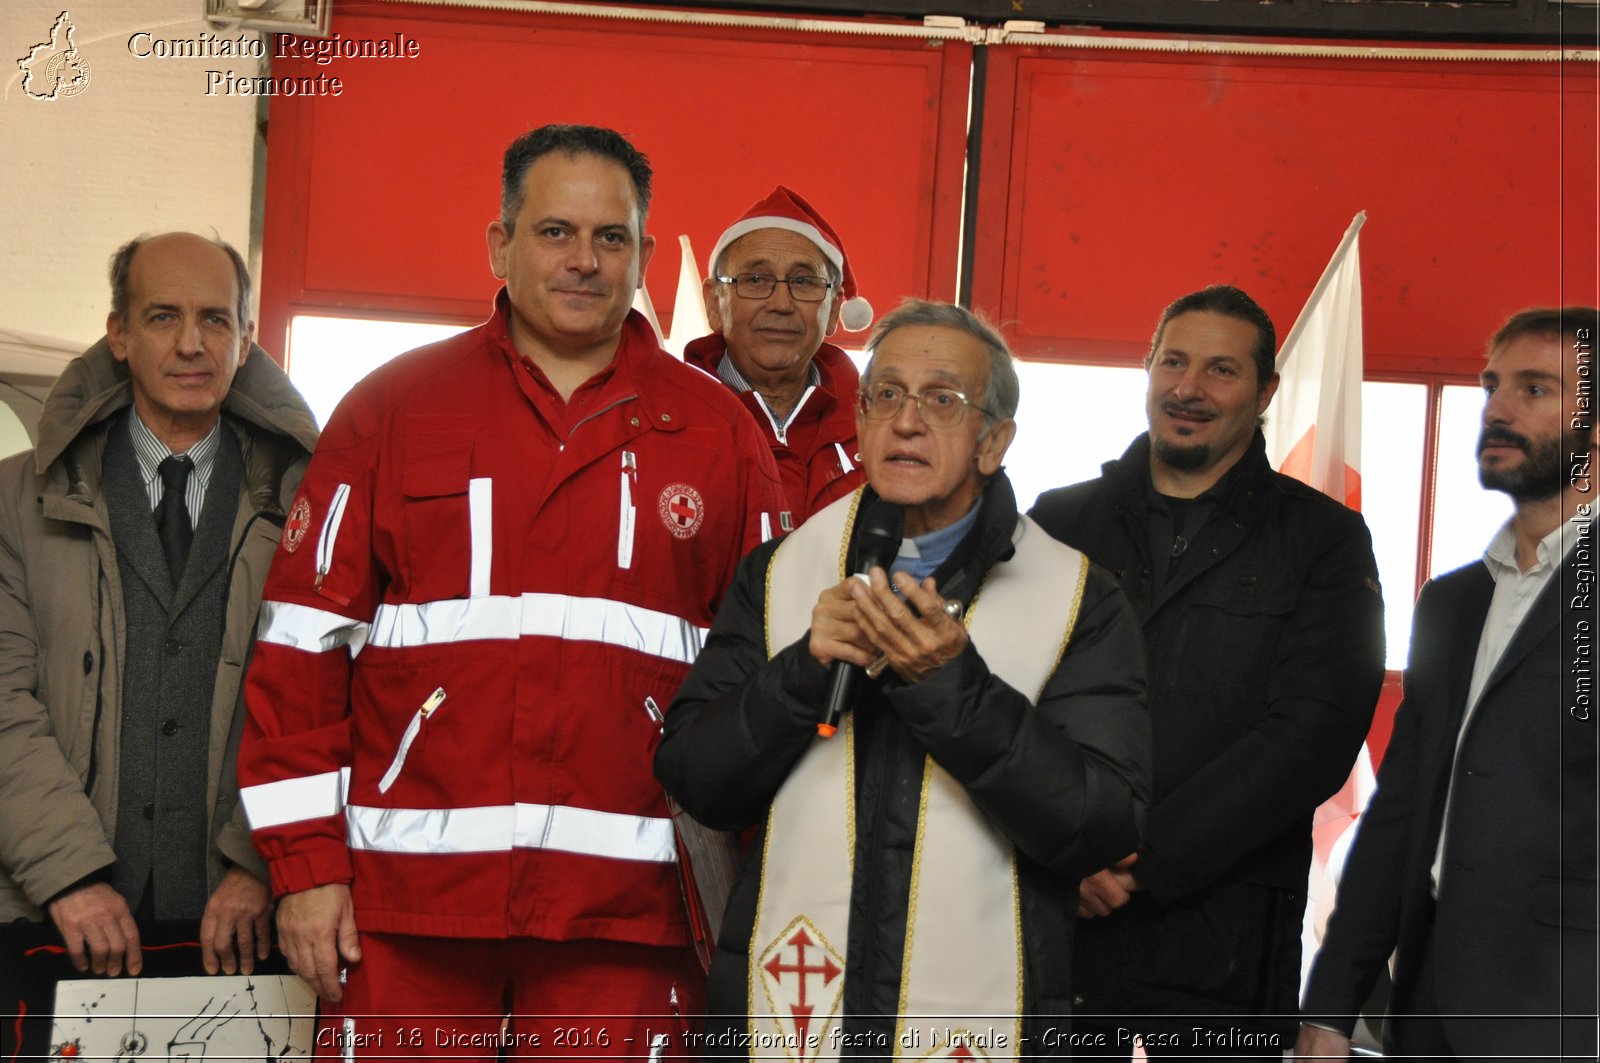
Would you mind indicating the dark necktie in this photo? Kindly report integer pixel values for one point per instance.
(172, 513)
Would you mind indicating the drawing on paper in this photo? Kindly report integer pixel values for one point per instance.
(184, 1020)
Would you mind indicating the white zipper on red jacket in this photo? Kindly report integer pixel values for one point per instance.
(627, 510)
(780, 432)
(330, 531)
(413, 729)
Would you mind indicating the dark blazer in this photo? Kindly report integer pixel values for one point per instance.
(1265, 656)
(1515, 915)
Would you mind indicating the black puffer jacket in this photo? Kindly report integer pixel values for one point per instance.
(1266, 655)
(1066, 781)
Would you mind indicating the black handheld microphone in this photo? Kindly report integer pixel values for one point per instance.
(878, 535)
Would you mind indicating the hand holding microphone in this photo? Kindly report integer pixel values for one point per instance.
(951, 608)
(878, 534)
(916, 630)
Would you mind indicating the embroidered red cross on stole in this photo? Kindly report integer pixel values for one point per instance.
(802, 973)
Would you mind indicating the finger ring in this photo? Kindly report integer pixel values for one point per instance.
(952, 609)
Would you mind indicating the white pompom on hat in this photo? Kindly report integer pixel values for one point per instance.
(784, 209)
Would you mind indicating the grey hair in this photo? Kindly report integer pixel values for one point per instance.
(1003, 391)
(122, 268)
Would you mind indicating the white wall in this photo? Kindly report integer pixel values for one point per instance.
(141, 149)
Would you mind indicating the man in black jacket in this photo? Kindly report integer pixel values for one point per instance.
(1476, 861)
(991, 759)
(1263, 624)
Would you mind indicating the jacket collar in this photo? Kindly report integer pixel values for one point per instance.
(634, 376)
(1131, 473)
(839, 377)
(988, 543)
(1545, 612)
(95, 386)
(638, 366)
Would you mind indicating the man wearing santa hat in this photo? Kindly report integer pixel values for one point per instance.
(780, 284)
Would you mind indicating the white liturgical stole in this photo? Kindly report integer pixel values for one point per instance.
(961, 982)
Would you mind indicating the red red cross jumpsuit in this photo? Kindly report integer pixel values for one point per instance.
(481, 596)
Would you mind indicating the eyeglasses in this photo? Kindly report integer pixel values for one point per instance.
(940, 407)
(803, 289)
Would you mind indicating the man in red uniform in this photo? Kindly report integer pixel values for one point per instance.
(502, 560)
(779, 284)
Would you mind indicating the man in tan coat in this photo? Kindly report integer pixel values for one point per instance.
(133, 544)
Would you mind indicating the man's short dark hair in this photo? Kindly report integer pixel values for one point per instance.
(1228, 301)
(122, 266)
(572, 140)
(1566, 323)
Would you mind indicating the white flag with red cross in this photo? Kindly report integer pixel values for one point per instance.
(1314, 429)
(1314, 434)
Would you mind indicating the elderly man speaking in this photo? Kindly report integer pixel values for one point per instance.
(914, 886)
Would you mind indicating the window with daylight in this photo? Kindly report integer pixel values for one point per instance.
(1465, 516)
(1393, 453)
(328, 355)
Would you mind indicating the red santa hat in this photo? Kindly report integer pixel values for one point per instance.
(784, 209)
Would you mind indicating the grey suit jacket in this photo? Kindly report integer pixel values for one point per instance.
(1515, 915)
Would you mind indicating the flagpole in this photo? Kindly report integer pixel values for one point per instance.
(1322, 283)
